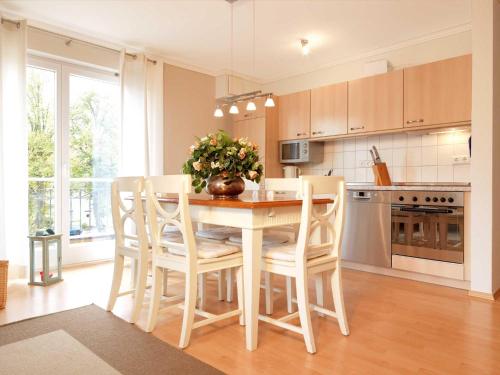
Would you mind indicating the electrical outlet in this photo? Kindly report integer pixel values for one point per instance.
(461, 159)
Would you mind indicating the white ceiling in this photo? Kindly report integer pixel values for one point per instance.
(196, 32)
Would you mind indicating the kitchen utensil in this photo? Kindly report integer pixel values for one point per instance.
(377, 155)
(373, 157)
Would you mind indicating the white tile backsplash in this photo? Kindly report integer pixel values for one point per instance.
(410, 157)
(445, 155)
(414, 156)
(429, 155)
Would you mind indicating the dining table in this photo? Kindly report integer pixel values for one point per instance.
(252, 212)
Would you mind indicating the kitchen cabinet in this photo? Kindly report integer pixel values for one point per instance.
(376, 103)
(263, 131)
(245, 115)
(295, 115)
(329, 110)
(438, 92)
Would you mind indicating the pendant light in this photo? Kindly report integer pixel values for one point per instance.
(234, 109)
(218, 112)
(251, 106)
(269, 101)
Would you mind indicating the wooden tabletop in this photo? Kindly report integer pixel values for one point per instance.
(248, 199)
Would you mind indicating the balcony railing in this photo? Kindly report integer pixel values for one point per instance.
(89, 207)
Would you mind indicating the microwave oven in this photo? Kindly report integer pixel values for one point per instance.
(301, 151)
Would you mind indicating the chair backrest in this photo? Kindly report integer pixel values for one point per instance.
(325, 228)
(282, 184)
(159, 218)
(128, 212)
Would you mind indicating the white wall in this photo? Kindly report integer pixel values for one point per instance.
(189, 106)
(485, 171)
(410, 157)
(415, 54)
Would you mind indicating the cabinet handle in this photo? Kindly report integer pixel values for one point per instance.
(358, 128)
(414, 121)
(299, 134)
(317, 133)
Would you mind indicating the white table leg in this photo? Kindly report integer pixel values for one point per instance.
(252, 250)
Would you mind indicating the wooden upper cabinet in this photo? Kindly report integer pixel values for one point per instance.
(295, 115)
(376, 103)
(439, 92)
(329, 110)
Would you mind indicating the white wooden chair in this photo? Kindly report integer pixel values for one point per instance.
(315, 253)
(131, 240)
(185, 255)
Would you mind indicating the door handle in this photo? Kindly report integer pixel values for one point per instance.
(414, 121)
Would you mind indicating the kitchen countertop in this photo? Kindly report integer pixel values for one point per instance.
(411, 187)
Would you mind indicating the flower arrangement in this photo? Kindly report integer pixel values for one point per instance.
(220, 155)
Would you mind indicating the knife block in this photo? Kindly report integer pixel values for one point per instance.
(381, 174)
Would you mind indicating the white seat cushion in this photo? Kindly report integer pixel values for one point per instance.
(207, 250)
(269, 239)
(220, 233)
(286, 252)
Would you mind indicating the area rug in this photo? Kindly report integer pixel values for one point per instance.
(89, 340)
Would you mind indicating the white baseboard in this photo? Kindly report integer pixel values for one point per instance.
(459, 284)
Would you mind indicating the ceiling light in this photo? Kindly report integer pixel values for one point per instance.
(218, 112)
(305, 47)
(251, 106)
(269, 102)
(234, 109)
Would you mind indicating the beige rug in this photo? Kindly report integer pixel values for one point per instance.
(89, 340)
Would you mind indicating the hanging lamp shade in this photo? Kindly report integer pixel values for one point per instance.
(218, 112)
(269, 102)
(234, 109)
(251, 106)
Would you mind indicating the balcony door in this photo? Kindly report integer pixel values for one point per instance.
(74, 153)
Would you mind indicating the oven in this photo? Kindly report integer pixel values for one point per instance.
(428, 225)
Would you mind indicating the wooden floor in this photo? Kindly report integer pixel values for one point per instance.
(397, 327)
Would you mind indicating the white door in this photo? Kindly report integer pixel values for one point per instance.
(74, 153)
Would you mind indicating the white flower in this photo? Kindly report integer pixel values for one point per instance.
(243, 141)
(197, 166)
(192, 148)
(242, 153)
(253, 175)
(204, 139)
(215, 165)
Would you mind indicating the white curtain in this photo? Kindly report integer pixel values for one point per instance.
(13, 144)
(142, 115)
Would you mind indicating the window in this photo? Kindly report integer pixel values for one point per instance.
(74, 153)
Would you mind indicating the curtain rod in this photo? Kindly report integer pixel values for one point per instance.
(69, 39)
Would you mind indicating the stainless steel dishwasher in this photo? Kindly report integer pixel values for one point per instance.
(367, 231)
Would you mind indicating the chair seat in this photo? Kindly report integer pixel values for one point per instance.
(267, 240)
(219, 233)
(286, 252)
(207, 250)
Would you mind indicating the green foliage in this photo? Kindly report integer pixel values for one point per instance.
(219, 154)
(94, 149)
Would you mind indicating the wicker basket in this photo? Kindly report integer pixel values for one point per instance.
(4, 270)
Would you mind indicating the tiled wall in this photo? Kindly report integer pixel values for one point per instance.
(410, 157)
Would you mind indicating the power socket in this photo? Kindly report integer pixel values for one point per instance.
(461, 159)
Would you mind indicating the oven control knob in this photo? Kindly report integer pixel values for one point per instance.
(414, 199)
(443, 199)
(435, 199)
(401, 198)
(451, 200)
(427, 199)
